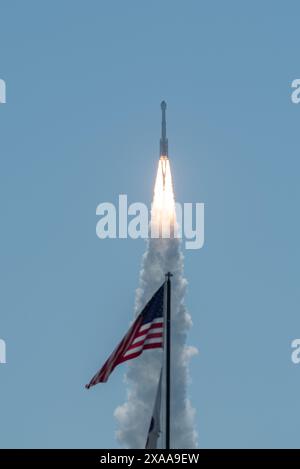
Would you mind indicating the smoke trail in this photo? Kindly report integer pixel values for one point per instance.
(161, 256)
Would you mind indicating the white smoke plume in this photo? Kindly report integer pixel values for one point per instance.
(161, 256)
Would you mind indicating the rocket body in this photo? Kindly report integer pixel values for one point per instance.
(163, 139)
(164, 157)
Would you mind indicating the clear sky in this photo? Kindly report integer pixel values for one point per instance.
(80, 126)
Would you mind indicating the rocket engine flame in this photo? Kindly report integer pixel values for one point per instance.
(163, 215)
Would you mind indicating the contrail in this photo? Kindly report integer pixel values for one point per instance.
(162, 255)
(134, 415)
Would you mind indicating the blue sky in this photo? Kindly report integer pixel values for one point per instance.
(81, 125)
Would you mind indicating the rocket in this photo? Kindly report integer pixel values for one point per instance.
(163, 139)
(163, 147)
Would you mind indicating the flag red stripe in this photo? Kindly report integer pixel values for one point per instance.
(136, 354)
(156, 325)
(113, 360)
(149, 336)
(148, 346)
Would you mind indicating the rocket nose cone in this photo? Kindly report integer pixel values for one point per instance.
(163, 105)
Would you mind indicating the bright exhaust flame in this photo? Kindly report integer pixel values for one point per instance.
(163, 215)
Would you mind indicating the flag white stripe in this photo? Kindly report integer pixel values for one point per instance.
(149, 324)
(154, 340)
(157, 330)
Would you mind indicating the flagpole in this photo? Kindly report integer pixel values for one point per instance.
(168, 359)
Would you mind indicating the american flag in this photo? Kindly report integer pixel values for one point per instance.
(145, 333)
